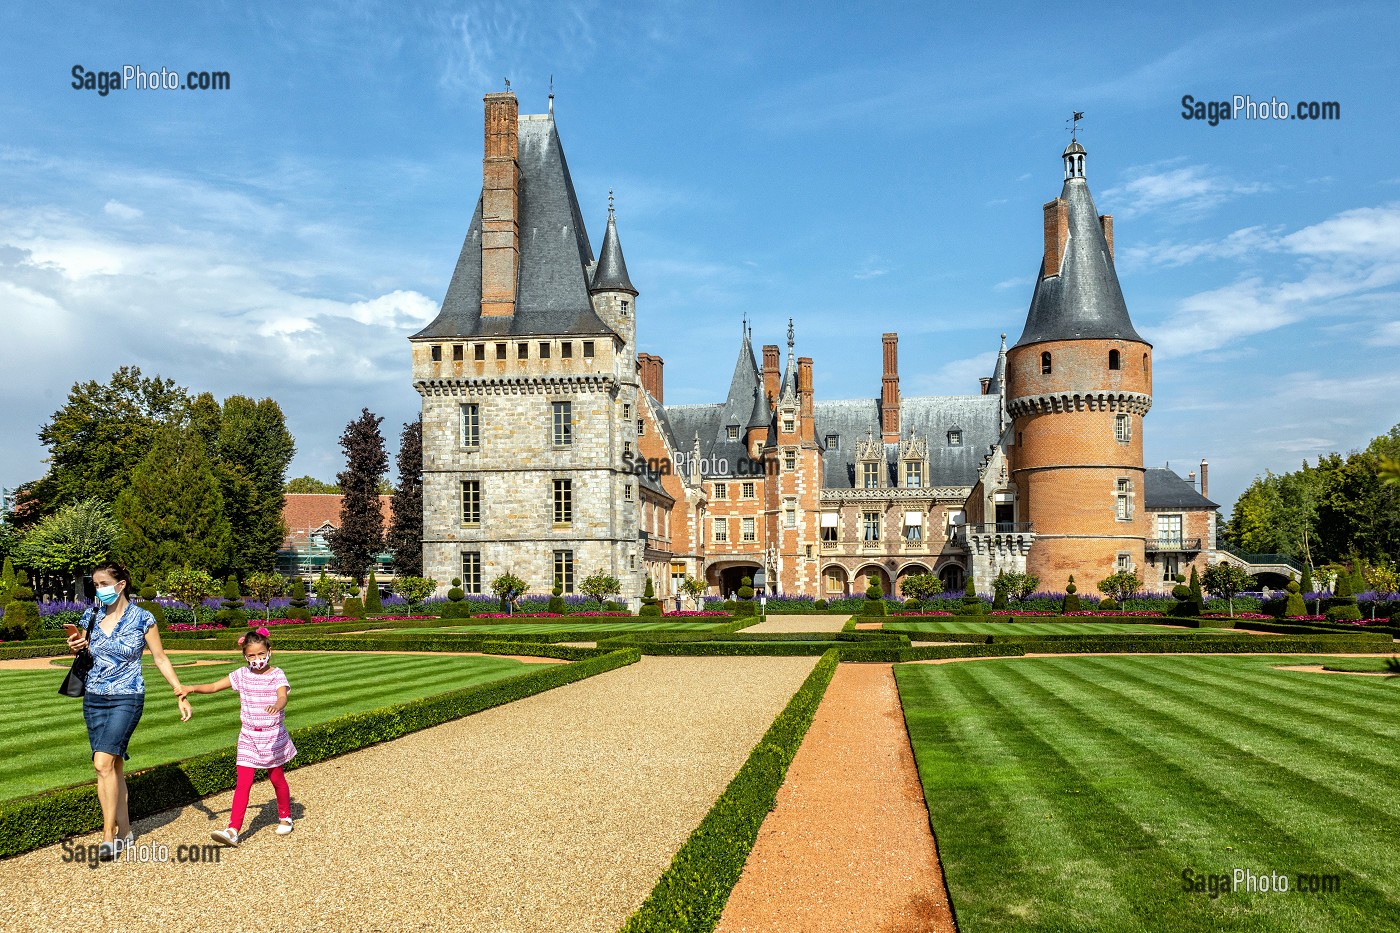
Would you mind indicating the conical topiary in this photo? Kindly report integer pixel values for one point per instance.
(374, 605)
(21, 619)
(7, 583)
(651, 606)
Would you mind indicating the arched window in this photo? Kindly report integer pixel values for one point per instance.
(1045, 363)
(1113, 360)
(1144, 362)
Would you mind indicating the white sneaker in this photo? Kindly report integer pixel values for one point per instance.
(284, 826)
(123, 842)
(228, 837)
(107, 851)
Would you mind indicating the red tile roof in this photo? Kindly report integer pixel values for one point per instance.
(305, 513)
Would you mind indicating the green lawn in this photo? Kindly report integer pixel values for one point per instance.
(43, 742)
(583, 625)
(1039, 628)
(1072, 793)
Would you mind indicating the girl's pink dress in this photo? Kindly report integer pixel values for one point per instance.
(264, 741)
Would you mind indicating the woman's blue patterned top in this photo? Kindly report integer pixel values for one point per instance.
(116, 658)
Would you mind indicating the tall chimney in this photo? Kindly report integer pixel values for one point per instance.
(1205, 479)
(804, 398)
(1106, 222)
(649, 367)
(889, 391)
(500, 206)
(770, 372)
(1056, 235)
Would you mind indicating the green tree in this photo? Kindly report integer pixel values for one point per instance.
(507, 587)
(1294, 606)
(415, 589)
(693, 588)
(328, 590)
(71, 541)
(191, 587)
(101, 433)
(1120, 586)
(253, 451)
(600, 586)
(374, 605)
(264, 587)
(172, 510)
(1342, 606)
(920, 586)
(405, 537)
(360, 537)
(312, 485)
(1226, 581)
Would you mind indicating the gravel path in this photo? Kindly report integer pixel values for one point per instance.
(848, 846)
(556, 812)
(786, 623)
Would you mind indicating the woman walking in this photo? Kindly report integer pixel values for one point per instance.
(116, 693)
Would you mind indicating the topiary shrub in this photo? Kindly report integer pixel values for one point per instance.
(354, 607)
(912, 604)
(819, 605)
(299, 607)
(1108, 602)
(651, 606)
(8, 583)
(21, 619)
(1071, 603)
(556, 600)
(1342, 606)
(727, 605)
(874, 604)
(1294, 605)
(148, 602)
(374, 604)
(231, 611)
(613, 606)
(744, 606)
(970, 604)
(455, 594)
(1186, 605)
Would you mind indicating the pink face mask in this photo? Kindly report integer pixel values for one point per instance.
(258, 664)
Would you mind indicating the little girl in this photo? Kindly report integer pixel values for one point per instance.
(264, 741)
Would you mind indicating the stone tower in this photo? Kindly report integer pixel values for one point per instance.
(1078, 384)
(529, 383)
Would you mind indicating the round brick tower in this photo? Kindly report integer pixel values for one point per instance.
(1078, 384)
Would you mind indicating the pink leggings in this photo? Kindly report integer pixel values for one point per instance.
(245, 785)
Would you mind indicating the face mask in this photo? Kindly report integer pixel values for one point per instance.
(107, 595)
(258, 664)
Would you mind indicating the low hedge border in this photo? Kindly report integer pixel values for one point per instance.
(28, 823)
(879, 653)
(692, 892)
(1183, 644)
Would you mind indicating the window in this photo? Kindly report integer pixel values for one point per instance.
(588, 349)
(626, 412)
(627, 450)
(833, 442)
(913, 526)
(1124, 507)
(563, 423)
(914, 474)
(624, 308)
(566, 350)
(471, 425)
(456, 353)
(479, 352)
(564, 570)
(834, 582)
(721, 490)
(790, 460)
(721, 535)
(870, 475)
(437, 353)
(1125, 561)
(1122, 428)
(870, 526)
(1114, 360)
(471, 502)
(627, 492)
(830, 524)
(749, 528)
(790, 514)
(733, 432)
(789, 424)
(810, 551)
(1169, 530)
(522, 351)
(471, 571)
(955, 437)
(1171, 566)
(544, 349)
(563, 501)
(641, 427)
(1045, 363)
(746, 491)
(500, 351)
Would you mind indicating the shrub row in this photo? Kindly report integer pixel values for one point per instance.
(692, 892)
(30, 822)
(1185, 644)
(881, 653)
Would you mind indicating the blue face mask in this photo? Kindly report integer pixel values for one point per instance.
(106, 595)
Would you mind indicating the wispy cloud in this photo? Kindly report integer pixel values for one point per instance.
(1190, 190)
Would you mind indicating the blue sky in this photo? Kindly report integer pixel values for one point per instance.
(858, 168)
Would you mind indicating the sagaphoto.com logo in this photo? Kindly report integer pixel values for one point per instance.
(1244, 107)
(134, 77)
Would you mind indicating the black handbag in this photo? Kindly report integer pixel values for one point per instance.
(75, 682)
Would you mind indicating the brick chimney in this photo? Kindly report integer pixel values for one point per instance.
(986, 384)
(889, 391)
(650, 369)
(1205, 478)
(1056, 235)
(805, 402)
(1106, 222)
(770, 373)
(500, 206)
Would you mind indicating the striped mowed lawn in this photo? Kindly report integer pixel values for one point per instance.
(43, 741)
(1043, 628)
(1073, 793)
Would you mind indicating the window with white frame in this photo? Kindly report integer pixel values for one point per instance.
(831, 524)
(471, 502)
(721, 531)
(870, 475)
(564, 570)
(471, 571)
(790, 460)
(913, 526)
(1122, 428)
(563, 423)
(790, 513)
(747, 491)
(721, 490)
(471, 425)
(1125, 561)
(563, 501)
(733, 432)
(1171, 566)
(1169, 530)
(870, 526)
(914, 474)
(1123, 507)
(749, 528)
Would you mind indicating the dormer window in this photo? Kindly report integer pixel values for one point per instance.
(913, 474)
(955, 437)
(789, 422)
(833, 442)
(870, 475)
(733, 432)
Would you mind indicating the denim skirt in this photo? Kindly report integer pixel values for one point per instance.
(111, 718)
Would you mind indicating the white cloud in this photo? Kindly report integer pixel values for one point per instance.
(1191, 190)
(121, 211)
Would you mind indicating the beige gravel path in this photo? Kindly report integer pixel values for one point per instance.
(787, 623)
(848, 847)
(556, 812)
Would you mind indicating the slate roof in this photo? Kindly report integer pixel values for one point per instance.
(1166, 490)
(611, 274)
(930, 417)
(555, 255)
(1084, 301)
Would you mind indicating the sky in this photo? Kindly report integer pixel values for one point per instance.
(857, 168)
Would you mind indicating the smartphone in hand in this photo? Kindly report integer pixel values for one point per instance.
(70, 628)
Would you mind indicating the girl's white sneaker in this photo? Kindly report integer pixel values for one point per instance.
(284, 826)
(228, 837)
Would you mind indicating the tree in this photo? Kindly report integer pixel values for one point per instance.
(360, 537)
(101, 433)
(172, 510)
(1384, 582)
(191, 587)
(1342, 606)
(71, 541)
(310, 484)
(507, 588)
(415, 589)
(920, 586)
(1120, 586)
(693, 588)
(252, 452)
(600, 586)
(374, 604)
(1225, 581)
(264, 587)
(405, 538)
(8, 582)
(1015, 585)
(1294, 606)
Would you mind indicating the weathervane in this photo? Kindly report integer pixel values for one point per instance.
(1074, 127)
(507, 85)
(551, 98)
(610, 202)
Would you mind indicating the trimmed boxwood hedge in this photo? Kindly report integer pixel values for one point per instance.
(28, 823)
(1204, 644)
(880, 653)
(692, 892)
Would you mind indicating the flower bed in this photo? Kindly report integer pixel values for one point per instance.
(695, 614)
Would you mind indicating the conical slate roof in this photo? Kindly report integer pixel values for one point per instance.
(611, 274)
(1084, 301)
